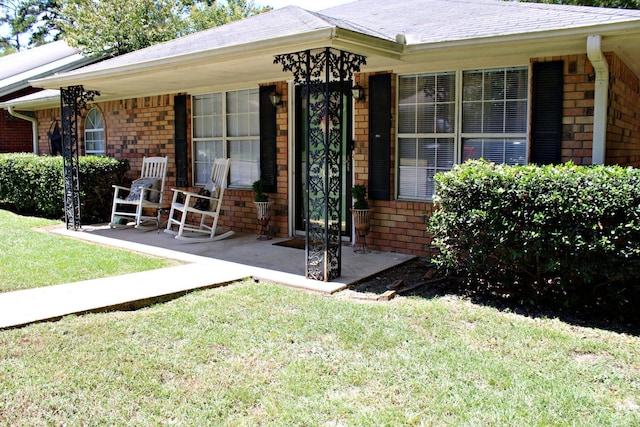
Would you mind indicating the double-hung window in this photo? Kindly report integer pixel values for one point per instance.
(227, 124)
(494, 115)
(440, 125)
(426, 131)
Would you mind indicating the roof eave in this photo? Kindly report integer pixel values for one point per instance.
(331, 36)
(559, 37)
(52, 101)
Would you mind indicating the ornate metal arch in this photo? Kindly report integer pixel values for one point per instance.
(73, 100)
(315, 70)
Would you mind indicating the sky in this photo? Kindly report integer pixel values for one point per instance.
(313, 5)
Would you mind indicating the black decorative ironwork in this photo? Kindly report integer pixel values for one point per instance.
(73, 100)
(315, 70)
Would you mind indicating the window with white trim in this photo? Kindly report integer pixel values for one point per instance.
(433, 135)
(494, 115)
(227, 124)
(94, 133)
(426, 131)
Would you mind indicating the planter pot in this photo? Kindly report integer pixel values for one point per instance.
(263, 211)
(361, 224)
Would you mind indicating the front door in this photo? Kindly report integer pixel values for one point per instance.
(300, 156)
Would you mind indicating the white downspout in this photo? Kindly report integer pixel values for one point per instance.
(601, 68)
(34, 126)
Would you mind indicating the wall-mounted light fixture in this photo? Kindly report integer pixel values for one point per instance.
(358, 92)
(275, 99)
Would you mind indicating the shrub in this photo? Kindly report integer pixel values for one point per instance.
(563, 234)
(34, 185)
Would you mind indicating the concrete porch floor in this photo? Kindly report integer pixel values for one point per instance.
(263, 258)
(207, 264)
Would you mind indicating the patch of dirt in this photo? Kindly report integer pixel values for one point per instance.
(418, 271)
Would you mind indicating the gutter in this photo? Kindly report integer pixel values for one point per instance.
(601, 68)
(34, 126)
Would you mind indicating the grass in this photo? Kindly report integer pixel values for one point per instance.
(261, 354)
(32, 258)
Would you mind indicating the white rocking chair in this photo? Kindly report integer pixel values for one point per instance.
(207, 204)
(144, 193)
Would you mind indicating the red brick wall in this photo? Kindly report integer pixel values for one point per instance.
(577, 120)
(15, 134)
(623, 125)
(623, 121)
(396, 226)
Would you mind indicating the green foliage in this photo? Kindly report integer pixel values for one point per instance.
(563, 234)
(33, 18)
(204, 15)
(34, 184)
(359, 193)
(624, 4)
(115, 27)
(31, 258)
(258, 189)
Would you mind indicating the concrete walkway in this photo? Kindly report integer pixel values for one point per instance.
(200, 271)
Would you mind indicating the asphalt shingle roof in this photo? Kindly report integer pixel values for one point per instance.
(432, 21)
(424, 21)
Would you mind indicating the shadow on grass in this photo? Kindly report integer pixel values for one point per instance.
(627, 318)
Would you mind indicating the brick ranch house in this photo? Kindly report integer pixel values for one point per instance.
(444, 81)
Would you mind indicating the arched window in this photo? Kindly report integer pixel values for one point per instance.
(94, 133)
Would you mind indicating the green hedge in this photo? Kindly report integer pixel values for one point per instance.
(566, 234)
(33, 185)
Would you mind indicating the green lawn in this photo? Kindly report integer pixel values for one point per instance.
(32, 258)
(262, 354)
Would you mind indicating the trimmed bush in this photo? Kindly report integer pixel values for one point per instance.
(34, 185)
(566, 235)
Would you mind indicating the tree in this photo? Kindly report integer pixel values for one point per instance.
(622, 4)
(204, 15)
(114, 27)
(29, 23)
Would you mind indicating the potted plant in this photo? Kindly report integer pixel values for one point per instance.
(361, 217)
(263, 207)
(258, 189)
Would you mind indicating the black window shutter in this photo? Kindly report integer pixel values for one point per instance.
(546, 112)
(268, 133)
(380, 137)
(180, 112)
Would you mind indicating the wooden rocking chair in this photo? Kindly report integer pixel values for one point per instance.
(207, 204)
(144, 193)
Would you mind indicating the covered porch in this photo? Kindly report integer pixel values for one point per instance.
(260, 259)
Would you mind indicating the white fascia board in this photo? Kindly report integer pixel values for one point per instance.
(46, 99)
(332, 36)
(528, 42)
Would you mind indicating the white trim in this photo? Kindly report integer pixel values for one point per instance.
(334, 36)
(291, 93)
(459, 136)
(601, 68)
